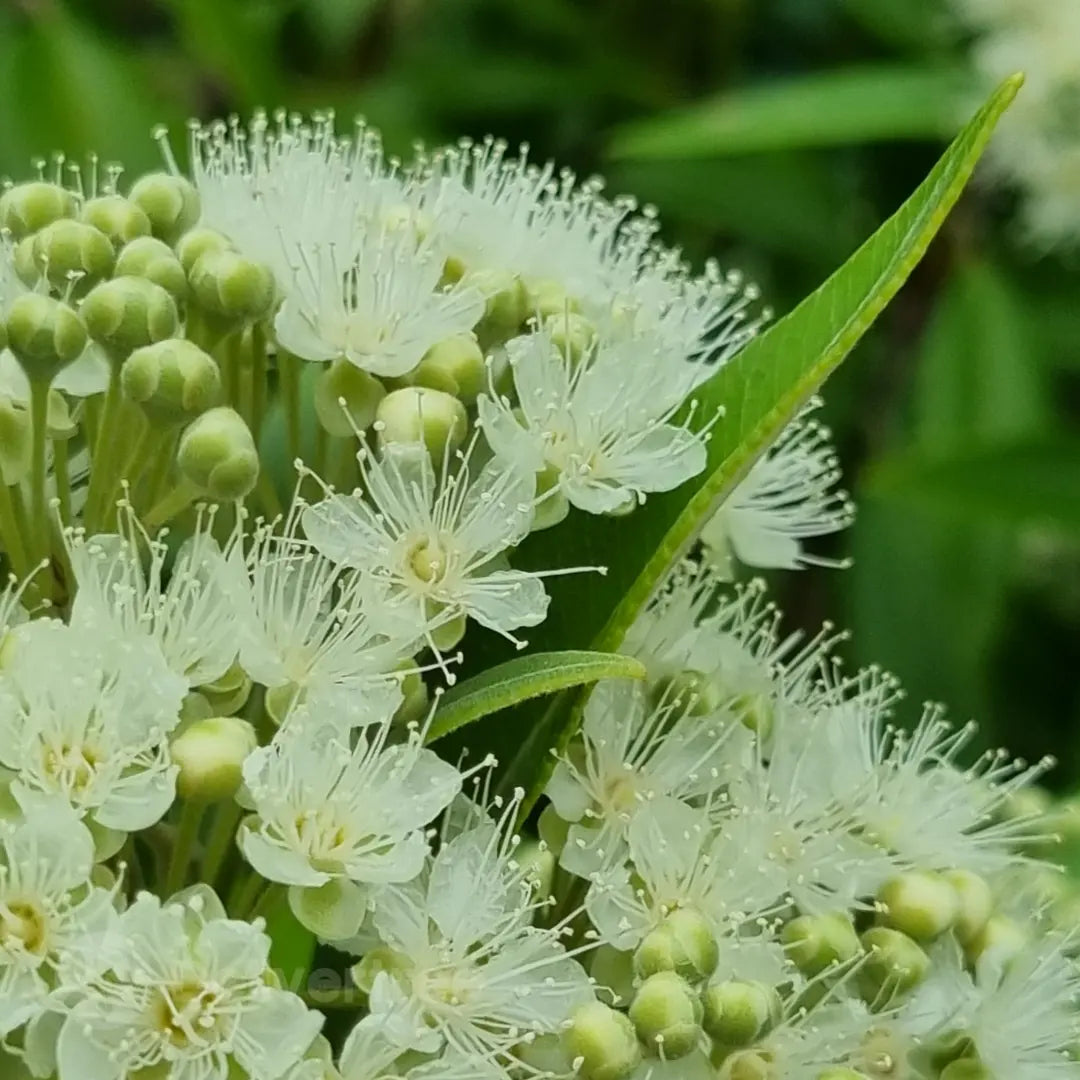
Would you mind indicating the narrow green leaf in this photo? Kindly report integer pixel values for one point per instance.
(524, 678)
(759, 392)
(826, 108)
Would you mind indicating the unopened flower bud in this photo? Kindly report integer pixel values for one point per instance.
(27, 208)
(919, 903)
(1000, 939)
(455, 365)
(228, 693)
(537, 864)
(415, 414)
(172, 381)
(755, 712)
(126, 313)
(553, 829)
(171, 204)
(118, 218)
(218, 455)
(690, 691)
(666, 1013)
(24, 260)
(150, 258)
(975, 903)
(573, 335)
(347, 398)
(738, 1013)
(45, 335)
(816, 942)
(965, 1069)
(506, 306)
(602, 1043)
(414, 705)
(894, 965)
(684, 943)
(67, 249)
(748, 1065)
(210, 755)
(548, 299)
(229, 286)
(196, 243)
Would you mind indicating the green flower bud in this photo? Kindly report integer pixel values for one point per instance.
(602, 1043)
(333, 912)
(538, 865)
(455, 366)
(416, 414)
(738, 1013)
(231, 287)
(27, 208)
(613, 969)
(415, 693)
(817, 942)
(666, 1013)
(748, 1065)
(15, 440)
(280, 699)
(684, 943)
(347, 398)
(919, 903)
(548, 299)
(45, 335)
(975, 904)
(66, 248)
(218, 455)
(25, 262)
(150, 258)
(553, 830)
(228, 694)
(447, 635)
(506, 307)
(193, 245)
(692, 691)
(170, 203)
(210, 755)
(554, 507)
(755, 712)
(118, 218)
(126, 313)
(1000, 937)
(966, 1069)
(172, 381)
(894, 965)
(573, 335)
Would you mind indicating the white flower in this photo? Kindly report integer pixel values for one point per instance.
(434, 543)
(788, 496)
(47, 906)
(601, 428)
(467, 958)
(354, 812)
(184, 994)
(97, 734)
(179, 603)
(308, 630)
(631, 750)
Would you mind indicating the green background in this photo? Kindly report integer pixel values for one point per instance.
(772, 134)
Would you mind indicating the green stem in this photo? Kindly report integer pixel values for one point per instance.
(268, 496)
(156, 479)
(187, 838)
(12, 536)
(41, 543)
(244, 894)
(267, 902)
(104, 453)
(62, 472)
(169, 505)
(289, 366)
(220, 840)
(258, 379)
(145, 449)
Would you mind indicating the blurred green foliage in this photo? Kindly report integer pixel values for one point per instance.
(775, 134)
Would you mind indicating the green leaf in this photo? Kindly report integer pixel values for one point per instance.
(828, 108)
(916, 24)
(1031, 483)
(759, 392)
(292, 948)
(523, 678)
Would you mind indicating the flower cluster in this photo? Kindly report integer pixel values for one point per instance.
(221, 679)
(1037, 148)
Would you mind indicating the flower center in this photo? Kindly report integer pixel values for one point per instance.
(426, 558)
(620, 793)
(324, 837)
(23, 927)
(73, 767)
(188, 1014)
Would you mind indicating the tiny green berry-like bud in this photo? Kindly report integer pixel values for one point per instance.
(1000, 938)
(894, 965)
(602, 1043)
(921, 904)
(548, 299)
(738, 1013)
(170, 203)
(455, 366)
(128, 312)
(684, 943)
(45, 335)
(226, 284)
(172, 381)
(210, 755)
(506, 307)
(118, 218)
(150, 258)
(25, 262)
(193, 245)
(816, 942)
(217, 454)
(27, 208)
(748, 1065)
(573, 335)
(415, 414)
(692, 691)
(347, 398)
(975, 904)
(666, 1013)
(66, 248)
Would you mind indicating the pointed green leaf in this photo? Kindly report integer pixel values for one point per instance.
(759, 392)
(524, 678)
(826, 108)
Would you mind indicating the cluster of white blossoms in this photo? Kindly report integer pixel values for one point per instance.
(220, 685)
(1037, 148)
